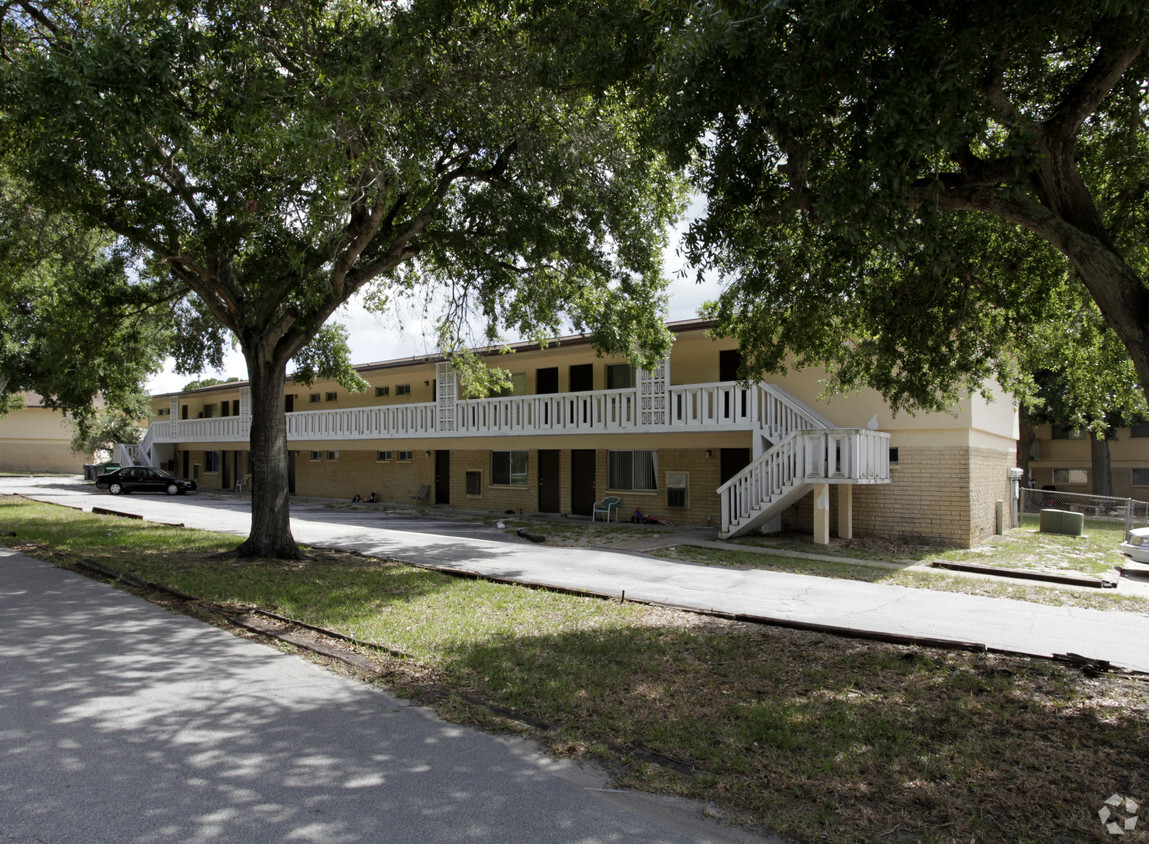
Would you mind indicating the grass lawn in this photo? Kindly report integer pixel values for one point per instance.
(819, 737)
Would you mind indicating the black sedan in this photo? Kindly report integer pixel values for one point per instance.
(143, 479)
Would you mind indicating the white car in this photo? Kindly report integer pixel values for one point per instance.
(1137, 545)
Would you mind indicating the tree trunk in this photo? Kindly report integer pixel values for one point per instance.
(1102, 469)
(270, 510)
(1026, 438)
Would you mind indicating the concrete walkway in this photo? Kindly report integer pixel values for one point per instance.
(999, 624)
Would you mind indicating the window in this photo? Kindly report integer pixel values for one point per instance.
(211, 461)
(208, 413)
(632, 470)
(383, 456)
(317, 455)
(619, 376)
(382, 391)
(1070, 476)
(1058, 432)
(333, 455)
(314, 398)
(1141, 429)
(406, 456)
(1141, 477)
(509, 468)
(676, 489)
(331, 396)
(893, 457)
(474, 483)
(517, 387)
(164, 411)
(403, 390)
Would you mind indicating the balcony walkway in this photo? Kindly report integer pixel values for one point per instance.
(849, 607)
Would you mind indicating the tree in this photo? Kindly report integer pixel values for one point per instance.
(1082, 381)
(73, 325)
(108, 428)
(275, 161)
(894, 187)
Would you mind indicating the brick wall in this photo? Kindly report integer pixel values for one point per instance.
(946, 495)
(362, 473)
(32, 457)
(359, 472)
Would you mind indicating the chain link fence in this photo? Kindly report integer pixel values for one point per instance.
(1099, 511)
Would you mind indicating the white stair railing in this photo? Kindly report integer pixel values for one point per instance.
(831, 455)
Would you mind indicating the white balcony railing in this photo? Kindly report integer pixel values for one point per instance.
(694, 407)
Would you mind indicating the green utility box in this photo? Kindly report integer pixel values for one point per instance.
(1062, 521)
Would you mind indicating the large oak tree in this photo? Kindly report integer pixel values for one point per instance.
(276, 159)
(896, 189)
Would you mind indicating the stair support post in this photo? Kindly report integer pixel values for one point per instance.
(846, 511)
(822, 514)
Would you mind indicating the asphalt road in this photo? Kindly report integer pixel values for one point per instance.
(123, 722)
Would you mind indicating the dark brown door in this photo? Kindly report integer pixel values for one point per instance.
(582, 481)
(728, 363)
(733, 461)
(549, 495)
(582, 378)
(442, 477)
(547, 380)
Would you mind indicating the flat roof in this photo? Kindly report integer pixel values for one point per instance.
(522, 346)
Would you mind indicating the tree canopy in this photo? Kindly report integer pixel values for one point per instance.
(897, 190)
(74, 327)
(274, 161)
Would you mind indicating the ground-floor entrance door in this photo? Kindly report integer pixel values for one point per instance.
(582, 481)
(549, 495)
(733, 461)
(442, 477)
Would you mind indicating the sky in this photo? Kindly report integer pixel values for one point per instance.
(407, 332)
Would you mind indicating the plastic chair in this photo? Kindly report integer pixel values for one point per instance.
(606, 507)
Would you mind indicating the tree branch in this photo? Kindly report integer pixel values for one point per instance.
(1085, 97)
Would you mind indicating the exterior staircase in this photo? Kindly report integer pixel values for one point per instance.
(804, 450)
(139, 454)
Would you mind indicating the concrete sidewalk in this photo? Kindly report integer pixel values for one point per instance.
(123, 722)
(871, 608)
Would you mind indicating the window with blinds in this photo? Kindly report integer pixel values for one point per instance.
(632, 470)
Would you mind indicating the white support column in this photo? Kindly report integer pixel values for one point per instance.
(446, 396)
(653, 396)
(821, 514)
(245, 411)
(845, 511)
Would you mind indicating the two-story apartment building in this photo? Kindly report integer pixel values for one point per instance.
(1061, 458)
(685, 443)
